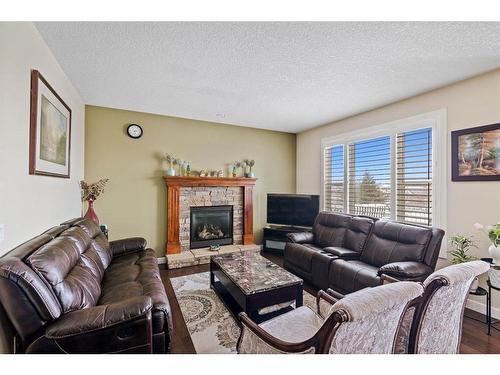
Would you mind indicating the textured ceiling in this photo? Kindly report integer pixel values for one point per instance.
(279, 76)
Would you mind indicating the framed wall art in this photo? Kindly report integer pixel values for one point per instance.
(50, 130)
(476, 154)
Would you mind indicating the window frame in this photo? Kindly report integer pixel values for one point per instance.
(437, 120)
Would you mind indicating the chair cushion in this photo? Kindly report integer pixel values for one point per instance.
(396, 242)
(300, 255)
(137, 274)
(350, 276)
(295, 326)
(330, 228)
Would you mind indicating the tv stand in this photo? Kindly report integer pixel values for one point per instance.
(275, 237)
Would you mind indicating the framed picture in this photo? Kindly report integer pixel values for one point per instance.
(50, 130)
(476, 154)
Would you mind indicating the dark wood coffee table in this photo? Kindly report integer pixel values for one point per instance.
(249, 282)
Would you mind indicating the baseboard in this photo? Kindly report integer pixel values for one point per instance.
(162, 260)
(481, 308)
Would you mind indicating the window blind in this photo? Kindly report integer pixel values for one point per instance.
(334, 188)
(361, 178)
(370, 177)
(414, 177)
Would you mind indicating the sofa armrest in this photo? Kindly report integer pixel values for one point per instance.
(127, 245)
(406, 270)
(98, 317)
(124, 326)
(301, 237)
(342, 252)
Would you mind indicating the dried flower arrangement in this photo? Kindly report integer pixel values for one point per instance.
(250, 163)
(90, 192)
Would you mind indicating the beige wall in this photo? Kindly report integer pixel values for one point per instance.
(30, 204)
(469, 103)
(134, 202)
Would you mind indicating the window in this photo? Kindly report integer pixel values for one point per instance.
(389, 172)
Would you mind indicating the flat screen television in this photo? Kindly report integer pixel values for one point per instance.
(292, 209)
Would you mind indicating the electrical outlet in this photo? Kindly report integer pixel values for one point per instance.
(2, 232)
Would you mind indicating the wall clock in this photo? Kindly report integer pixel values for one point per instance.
(134, 131)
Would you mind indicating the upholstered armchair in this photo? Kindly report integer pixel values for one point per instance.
(438, 323)
(363, 322)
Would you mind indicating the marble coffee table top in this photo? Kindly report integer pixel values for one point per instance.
(253, 273)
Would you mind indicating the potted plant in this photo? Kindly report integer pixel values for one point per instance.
(462, 244)
(493, 233)
(90, 192)
(250, 163)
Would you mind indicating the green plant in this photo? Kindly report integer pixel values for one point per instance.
(493, 232)
(462, 245)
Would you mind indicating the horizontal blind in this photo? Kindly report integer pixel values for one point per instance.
(370, 177)
(414, 177)
(334, 196)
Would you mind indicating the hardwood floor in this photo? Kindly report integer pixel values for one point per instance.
(474, 334)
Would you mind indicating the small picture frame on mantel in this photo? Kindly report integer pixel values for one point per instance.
(50, 130)
(476, 154)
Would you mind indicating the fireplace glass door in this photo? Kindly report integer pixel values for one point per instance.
(212, 225)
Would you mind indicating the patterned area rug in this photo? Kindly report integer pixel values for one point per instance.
(211, 326)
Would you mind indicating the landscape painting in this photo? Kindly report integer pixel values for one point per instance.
(53, 133)
(476, 154)
(50, 130)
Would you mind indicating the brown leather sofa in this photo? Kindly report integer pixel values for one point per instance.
(347, 253)
(69, 290)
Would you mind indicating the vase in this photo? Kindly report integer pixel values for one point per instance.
(170, 171)
(474, 285)
(495, 253)
(90, 214)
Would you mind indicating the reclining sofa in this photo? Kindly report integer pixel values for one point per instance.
(347, 253)
(69, 290)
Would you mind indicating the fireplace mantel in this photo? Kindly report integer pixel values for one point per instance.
(175, 183)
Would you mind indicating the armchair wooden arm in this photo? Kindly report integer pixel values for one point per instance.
(386, 279)
(322, 295)
(335, 294)
(275, 343)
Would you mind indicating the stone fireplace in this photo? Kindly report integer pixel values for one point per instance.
(204, 211)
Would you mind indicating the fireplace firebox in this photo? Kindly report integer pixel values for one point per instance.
(211, 225)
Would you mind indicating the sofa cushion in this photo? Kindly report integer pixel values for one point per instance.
(72, 268)
(350, 276)
(357, 233)
(98, 239)
(330, 228)
(300, 255)
(395, 242)
(137, 274)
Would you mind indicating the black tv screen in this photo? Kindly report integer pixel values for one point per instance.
(292, 209)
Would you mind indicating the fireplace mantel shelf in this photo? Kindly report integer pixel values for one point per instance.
(176, 183)
(208, 181)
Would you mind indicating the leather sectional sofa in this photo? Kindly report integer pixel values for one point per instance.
(69, 290)
(347, 253)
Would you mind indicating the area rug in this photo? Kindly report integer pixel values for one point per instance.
(211, 326)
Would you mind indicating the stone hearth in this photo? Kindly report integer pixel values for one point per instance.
(202, 256)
